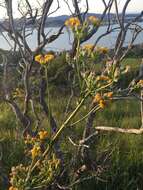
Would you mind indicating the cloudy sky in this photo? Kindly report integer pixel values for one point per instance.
(95, 6)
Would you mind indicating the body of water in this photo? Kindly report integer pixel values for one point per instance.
(64, 42)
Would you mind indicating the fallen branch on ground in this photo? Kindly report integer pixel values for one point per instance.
(120, 130)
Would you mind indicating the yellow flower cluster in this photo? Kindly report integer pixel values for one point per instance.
(99, 99)
(88, 47)
(72, 22)
(43, 135)
(94, 20)
(35, 151)
(43, 59)
(103, 50)
(12, 188)
(102, 104)
(109, 95)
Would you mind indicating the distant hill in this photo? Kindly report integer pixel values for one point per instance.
(59, 20)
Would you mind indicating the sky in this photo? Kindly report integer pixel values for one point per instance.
(95, 6)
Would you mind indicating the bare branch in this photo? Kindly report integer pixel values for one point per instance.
(46, 8)
(120, 130)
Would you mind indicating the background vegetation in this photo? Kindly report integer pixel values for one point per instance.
(121, 154)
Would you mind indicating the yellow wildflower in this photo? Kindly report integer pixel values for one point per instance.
(35, 151)
(88, 47)
(43, 135)
(12, 188)
(94, 20)
(43, 59)
(103, 50)
(110, 94)
(97, 98)
(49, 57)
(40, 59)
(73, 22)
(102, 104)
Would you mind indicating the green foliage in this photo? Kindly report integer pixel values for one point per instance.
(59, 71)
(125, 160)
(125, 163)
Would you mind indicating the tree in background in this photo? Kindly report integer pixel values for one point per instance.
(46, 165)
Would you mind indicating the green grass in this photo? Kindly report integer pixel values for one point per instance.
(124, 166)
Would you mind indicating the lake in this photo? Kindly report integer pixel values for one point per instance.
(65, 40)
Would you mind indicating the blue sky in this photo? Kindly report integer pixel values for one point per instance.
(95, 6)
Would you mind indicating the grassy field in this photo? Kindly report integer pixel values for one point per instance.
(124, 165)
